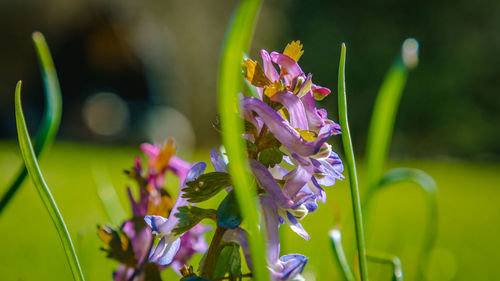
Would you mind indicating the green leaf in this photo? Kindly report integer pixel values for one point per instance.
(229, 262)
(108, 196)
(51, 116)
(271, 156)
(251, 147)
(228, 213)
(189, 216)
(206, 186)
(43, 190)
(384, 116)
(236, 43)
(428, 186)
(394, 261)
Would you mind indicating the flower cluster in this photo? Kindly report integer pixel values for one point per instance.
(289, 157)
(288, 128)
(131, 244)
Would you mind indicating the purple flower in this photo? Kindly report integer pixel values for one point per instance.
(166, 250)
(281, 128)
(282, 268)
(311, 158)
(285, 207)
(303, 131)
(162, 159)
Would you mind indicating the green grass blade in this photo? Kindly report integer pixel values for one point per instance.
(350, 163)
(427, 184)
(51, 117)
(236, 43)
(385, 110)
(30, 161)
(338, 250)
(394, 261)
(108, 197)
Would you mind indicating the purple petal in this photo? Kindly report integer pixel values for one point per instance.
(316, 122)
(320, 92)
(292, 69)
(296, 226)
(317, 190)
(293, 265)
(219, 165)
(137, 165)
(123, 273)
(158, 250)
(308, 198)
(328, 169)
(298, 177)
(269, 69)
(150, 150)
(287, 135)
(155, 222)
(140, 207)
(192, 241)
(165, 252)
(198, 241)
(217, 161)
(266, 180)
(141, 240)
(323, 114)
(278, 172)
(270, 215)
(311, 205)
(179, 167)
(196, 170)
(295, 108)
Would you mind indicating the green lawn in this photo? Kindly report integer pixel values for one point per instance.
(467, 244)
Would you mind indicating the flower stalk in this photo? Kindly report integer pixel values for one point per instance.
(351, 168)
(213, 253)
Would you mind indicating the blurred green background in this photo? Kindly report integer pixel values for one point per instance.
(135, 71)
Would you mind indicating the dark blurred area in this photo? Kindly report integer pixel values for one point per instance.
(132, 71)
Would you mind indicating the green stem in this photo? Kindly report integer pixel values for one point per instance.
(213, 254)
(351, 168)
(236, 43)
(43, 190)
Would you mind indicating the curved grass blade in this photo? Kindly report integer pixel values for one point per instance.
(351, 168)
(237, 41)
(43, 190)
(385, 110)
(429, 187)
(394, 261)
(51, 117)
(338, 250)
